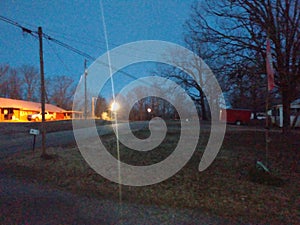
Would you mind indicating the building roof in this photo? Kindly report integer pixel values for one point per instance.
(26, 105)
(297, 101)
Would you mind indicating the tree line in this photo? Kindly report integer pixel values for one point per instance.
(23, 83)
(230, 36)
(144, 108)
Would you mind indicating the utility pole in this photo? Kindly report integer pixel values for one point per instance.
(43, 131)
(94, 104)
(93, 107)
(85, 91)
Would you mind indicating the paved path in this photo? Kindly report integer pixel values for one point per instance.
(24, 202)
(10, 144)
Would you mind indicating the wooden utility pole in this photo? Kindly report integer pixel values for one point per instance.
(85, 91)
(43, 131)
(93, 107)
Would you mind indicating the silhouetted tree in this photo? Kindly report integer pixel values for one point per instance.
(60, 91)
(3, 69)
(11, 84)
(3, 82)
(237, 31)
(31, 80)
(101, 106)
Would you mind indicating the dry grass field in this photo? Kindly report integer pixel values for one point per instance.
(232, 188)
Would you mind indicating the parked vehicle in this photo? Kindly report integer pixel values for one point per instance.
(38, 116)
(235, 116)
(276, 114)
(261, 116)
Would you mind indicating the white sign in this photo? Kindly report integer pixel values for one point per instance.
(34, 132)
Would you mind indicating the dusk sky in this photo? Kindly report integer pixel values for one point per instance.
(79, 24)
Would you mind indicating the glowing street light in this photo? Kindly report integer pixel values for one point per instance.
(115, 107)
(150, 115)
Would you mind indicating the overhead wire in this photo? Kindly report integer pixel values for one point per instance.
(127, 53)
(70, 38)
(64, 45)
(57, 55)
(7, 20)
(27, 30)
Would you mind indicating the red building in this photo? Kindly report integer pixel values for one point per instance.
(235, 116)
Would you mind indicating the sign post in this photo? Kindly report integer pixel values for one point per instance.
(34, 132)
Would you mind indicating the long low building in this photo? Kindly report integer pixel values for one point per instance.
(18, 110)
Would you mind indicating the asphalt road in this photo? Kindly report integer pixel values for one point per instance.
(18, 139)
(10, 143)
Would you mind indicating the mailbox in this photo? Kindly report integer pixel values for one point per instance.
(34, 132)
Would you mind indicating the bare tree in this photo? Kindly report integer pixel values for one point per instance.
(3, 70)
(11, 85)
(19, 83)
(192, 87)
(246, 87)
(138, 111)
(152, 100)
(101, 106)
(60, 91)
(31, 79)
(3, 82)
(239, 28)
(191, 76)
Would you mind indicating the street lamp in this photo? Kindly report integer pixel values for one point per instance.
(149, 110)
(114, 107)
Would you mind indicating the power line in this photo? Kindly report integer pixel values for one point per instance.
(64, 36)
(14, 23)
(87, 56)
(57, 55)
(62, 44)
(70, 38)
(79, 52)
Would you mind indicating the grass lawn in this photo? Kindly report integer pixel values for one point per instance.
(230, 188)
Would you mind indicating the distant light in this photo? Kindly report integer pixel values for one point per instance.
(149, 110)
(115, 106)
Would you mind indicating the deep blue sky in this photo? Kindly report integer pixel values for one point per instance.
(79, 24)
